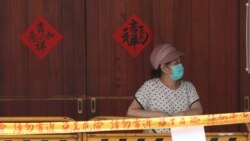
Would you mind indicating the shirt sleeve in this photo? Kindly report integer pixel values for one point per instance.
(192, 94)
(143, 94)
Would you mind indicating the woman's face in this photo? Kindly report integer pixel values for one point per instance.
(174, 69)
(166, 68)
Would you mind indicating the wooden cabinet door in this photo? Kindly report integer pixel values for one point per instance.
(113, 75)
(30, 86)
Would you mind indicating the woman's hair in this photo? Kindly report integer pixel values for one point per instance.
(156, 73)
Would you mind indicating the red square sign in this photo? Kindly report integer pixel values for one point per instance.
(134, 35)
(41, 37)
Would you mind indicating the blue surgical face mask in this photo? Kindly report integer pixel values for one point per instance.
(177, 72)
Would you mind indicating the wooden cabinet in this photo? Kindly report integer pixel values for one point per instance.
(89, 64)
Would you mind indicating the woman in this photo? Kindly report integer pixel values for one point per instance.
(165, 94)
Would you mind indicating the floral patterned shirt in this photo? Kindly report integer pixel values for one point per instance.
(155, 96)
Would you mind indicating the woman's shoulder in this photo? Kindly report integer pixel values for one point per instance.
(187, 83)
(152, 81)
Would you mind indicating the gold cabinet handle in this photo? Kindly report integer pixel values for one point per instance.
(246, 103)
(79, 105)
(247, 38)
(93, 104)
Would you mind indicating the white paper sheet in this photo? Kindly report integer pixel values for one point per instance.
(192, 133)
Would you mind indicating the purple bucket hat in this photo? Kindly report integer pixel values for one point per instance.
(162, 54)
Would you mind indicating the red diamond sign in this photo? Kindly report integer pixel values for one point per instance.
(41, 37)
(134, 35)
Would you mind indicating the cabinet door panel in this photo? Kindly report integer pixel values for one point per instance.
(33, 107)
(116, 107)
(32, 86)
